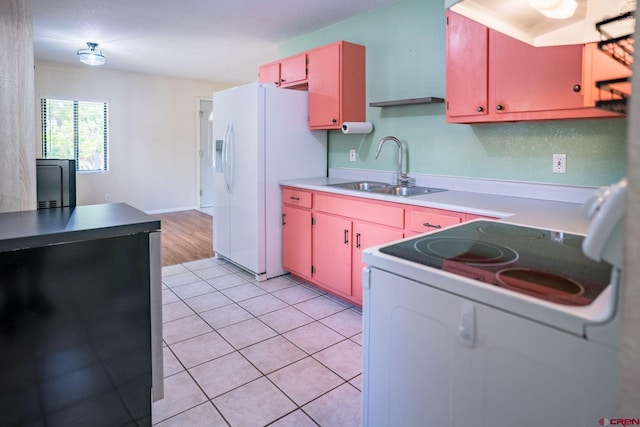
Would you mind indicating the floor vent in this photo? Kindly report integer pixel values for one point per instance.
(46, 204)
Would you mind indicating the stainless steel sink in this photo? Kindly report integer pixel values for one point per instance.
(407, 191)
(361, 185)
(382, 188)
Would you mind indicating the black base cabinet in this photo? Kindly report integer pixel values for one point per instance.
(75, 333)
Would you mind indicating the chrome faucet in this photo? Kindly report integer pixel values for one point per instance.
(401, 178)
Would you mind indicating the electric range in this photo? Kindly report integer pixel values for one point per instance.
(489, 323)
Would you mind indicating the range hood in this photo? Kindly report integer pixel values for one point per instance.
(520, 20)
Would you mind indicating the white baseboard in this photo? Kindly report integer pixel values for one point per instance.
(184, 208)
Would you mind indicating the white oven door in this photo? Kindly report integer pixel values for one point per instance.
(434, 358)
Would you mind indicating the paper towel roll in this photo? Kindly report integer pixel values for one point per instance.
(357, 127)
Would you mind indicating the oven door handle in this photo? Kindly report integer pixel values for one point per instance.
(467, 328)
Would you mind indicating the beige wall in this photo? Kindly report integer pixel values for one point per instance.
(153, 147)
(17, 165)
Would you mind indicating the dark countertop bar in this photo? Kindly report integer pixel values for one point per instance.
(45, 227)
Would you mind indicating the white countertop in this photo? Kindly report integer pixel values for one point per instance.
(540, 213)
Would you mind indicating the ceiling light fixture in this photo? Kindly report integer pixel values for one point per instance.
(555, 9)
(92, 55)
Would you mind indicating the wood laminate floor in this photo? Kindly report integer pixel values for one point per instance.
(186, 236)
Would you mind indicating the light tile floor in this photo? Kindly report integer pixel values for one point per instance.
(238, 352)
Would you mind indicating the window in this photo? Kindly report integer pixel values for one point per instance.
(73, 129)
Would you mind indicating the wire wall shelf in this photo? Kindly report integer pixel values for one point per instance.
(617, 41)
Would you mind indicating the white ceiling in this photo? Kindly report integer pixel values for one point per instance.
(216, 40)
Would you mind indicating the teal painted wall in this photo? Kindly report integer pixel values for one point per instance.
(406, 59)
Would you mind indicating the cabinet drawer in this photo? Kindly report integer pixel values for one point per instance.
(365, 211)
(296, 197)
(469, 217)
(422, 222)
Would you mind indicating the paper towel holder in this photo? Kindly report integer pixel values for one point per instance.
(357, 127)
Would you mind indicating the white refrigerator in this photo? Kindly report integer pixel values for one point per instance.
(260, 136)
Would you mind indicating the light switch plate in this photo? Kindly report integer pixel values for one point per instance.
(352, 155)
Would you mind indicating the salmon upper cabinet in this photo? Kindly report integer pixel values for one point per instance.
(333, 74)
(289, 72)
(467, 69)
(337, 87)
(492, 77)
(270, 73)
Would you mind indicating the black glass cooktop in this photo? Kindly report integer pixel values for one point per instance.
(545, 264)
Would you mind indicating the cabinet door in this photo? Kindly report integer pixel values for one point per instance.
(324, 87)
(526, 78)
(270, 73)
(467, 67)
(365, 236)
(332, 252)
(296, 241)
(293, 70)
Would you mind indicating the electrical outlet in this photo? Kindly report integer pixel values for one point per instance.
(352, 155)
(559, 163)
(107, 197)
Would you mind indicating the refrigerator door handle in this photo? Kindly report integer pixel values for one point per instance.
(230, 159)
(225, 156)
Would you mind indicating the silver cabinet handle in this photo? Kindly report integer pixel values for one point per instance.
(426, 224)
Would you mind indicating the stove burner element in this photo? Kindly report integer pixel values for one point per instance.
(466, 251)
(523, 233)
(537, 283)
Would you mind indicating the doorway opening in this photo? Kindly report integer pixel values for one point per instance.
(206, 154)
